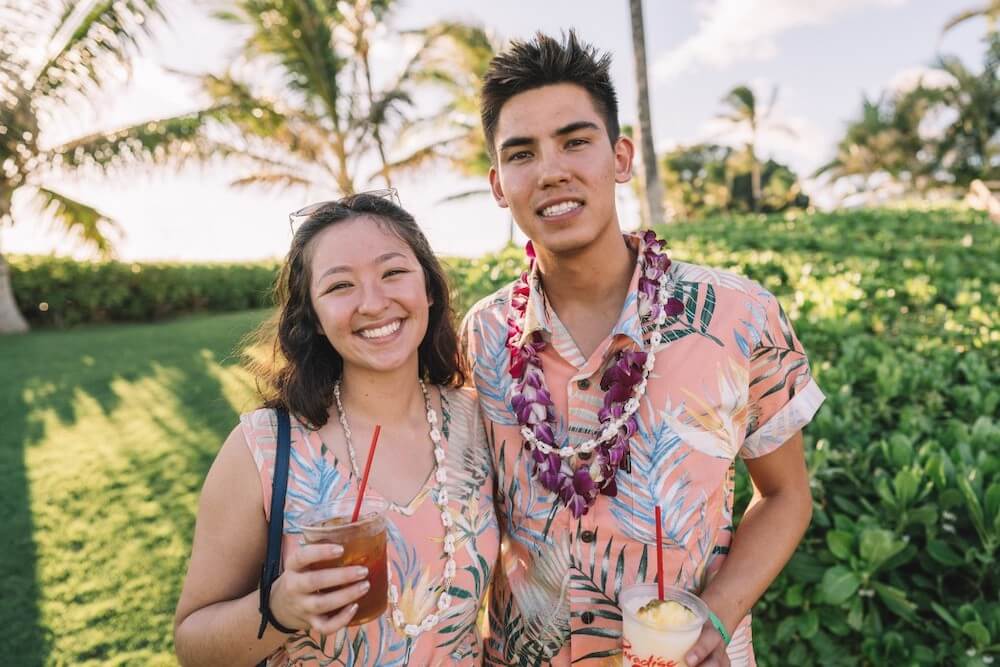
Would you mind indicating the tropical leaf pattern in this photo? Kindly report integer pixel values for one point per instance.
(731, 379)
(415, 541)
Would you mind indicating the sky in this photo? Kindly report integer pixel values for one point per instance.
(823, 55)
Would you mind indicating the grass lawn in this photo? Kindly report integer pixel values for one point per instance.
(107, 434)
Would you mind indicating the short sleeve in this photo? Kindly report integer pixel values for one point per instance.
(783, 394)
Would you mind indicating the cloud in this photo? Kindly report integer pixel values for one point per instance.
(786, 136)
(908, 79)
(738, 30)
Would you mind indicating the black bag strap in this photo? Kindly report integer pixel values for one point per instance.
(272, 561)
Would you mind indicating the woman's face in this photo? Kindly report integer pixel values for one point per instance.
(369, 293)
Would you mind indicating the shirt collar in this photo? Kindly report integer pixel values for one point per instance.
(537, 316)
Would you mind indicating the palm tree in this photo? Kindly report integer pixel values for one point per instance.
(969, 147)
(456, 63)
(990, 11)
(744, 112)
(300, 110)
(53, 56)
(653, 189)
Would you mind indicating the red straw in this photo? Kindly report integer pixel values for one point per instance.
(364, 477)
(659, 554)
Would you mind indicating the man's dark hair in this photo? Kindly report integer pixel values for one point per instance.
(544, 61)
(300, 368)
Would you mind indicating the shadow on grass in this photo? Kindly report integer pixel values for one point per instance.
(47, 376)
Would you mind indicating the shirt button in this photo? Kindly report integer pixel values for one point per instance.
(583, 384)
(587, 617)
(588, 536)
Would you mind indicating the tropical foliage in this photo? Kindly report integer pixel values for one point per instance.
(942, 134)
(55, 55)
(708, 179)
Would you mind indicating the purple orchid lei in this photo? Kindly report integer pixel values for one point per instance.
(624, 383)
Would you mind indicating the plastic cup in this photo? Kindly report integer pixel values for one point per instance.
(364, 543)
(646, 645)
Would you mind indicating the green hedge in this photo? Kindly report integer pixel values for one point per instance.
(898, 311)
(56, 291)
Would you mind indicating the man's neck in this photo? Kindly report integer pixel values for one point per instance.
(588, 289)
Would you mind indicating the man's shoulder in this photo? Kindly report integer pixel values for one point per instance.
(492, 306)
(725, 283)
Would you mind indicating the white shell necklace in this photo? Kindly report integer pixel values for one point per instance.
(440, 496)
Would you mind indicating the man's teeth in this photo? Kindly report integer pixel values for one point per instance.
(559, 209)
(381, 331)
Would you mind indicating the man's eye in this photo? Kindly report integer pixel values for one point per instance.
(573, 143)
(520, 155)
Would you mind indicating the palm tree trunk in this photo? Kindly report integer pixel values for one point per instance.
(11, 320)
(755, 193)
(653, 189)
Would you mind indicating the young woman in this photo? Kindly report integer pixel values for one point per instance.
(364, 337)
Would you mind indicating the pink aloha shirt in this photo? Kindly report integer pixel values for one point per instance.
(730, 379)
(416, 537)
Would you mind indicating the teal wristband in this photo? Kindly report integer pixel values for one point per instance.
(717, 624)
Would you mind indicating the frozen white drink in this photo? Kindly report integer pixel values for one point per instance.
(658, 633)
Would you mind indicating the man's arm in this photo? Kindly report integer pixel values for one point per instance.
(772, 527)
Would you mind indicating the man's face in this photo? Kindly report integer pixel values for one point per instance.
(556, 169)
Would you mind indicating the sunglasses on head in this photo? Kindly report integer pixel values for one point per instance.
(296, 218)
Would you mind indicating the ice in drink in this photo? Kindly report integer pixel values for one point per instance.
(655, 633)
(364, 543)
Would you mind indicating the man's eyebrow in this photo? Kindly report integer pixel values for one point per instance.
(344, 268)
(562, 131)
(515, 141)
(574, 127)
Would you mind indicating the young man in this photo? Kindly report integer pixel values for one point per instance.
(613, 381)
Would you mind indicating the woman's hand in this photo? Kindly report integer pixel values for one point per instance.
(322, 599)
(709, 650)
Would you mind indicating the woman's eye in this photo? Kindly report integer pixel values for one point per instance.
(336, 287)
(394, 272)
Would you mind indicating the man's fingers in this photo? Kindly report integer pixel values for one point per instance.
(707, 642)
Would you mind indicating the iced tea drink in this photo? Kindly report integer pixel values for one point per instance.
(364, 543)
(659, 634)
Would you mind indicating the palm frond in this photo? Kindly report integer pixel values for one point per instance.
(172, 141)
(273, 180)
(89, 224)
(462, 196)
(87, 46)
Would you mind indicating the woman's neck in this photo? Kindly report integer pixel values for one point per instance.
(381, 397)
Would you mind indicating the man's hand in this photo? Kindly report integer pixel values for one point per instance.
(709, 650)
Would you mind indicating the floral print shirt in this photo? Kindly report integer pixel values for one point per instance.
(415, 536)
(730, 379)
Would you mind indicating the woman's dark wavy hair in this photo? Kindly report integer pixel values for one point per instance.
(303, 366)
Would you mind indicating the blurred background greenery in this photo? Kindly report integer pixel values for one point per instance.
(115, 403)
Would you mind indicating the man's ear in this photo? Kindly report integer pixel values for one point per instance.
(496, 189)
(624, 157)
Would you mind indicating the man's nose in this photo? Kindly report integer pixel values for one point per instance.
(552, 169)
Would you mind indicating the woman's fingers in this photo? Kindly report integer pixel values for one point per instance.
(329, 602)
(334, 577)
(308, 555)
(331, 624)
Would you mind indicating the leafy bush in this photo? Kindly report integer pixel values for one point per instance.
(898, 311)
(63, 292)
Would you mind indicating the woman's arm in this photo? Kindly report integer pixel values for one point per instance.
(771, 528)
(217, 617)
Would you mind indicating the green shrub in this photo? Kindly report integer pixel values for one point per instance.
(56, 291)
(898, 311)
